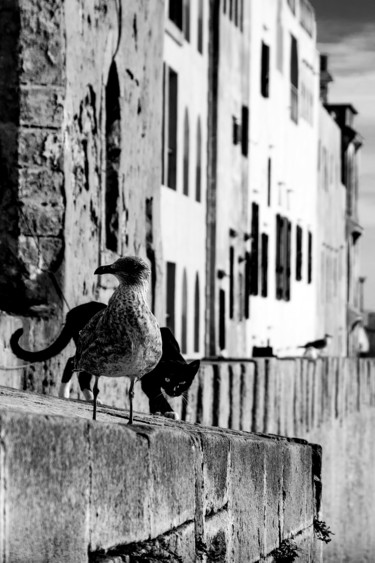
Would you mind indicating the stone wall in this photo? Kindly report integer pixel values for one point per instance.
(172, 492)
(56, 59)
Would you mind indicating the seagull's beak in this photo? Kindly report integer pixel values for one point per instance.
(104, 270)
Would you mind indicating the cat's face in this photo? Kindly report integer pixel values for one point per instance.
(177, 377)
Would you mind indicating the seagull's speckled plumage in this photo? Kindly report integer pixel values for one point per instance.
(124, 339)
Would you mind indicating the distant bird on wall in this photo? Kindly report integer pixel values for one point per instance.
(123, 339)
(313, 349)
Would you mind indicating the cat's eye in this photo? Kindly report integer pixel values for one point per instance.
(167, 379)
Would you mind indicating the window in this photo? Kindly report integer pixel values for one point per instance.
(184, 320)
(170, 116)
(171, 284)
(309, 253)
(231, 282)
(198, 167)
(247, 284)
(265, 71)
(299, 249)
(200, 26)
(236, 131)
(254, 284)
(113, 154)
(269, 181)
(241, 13)
(186, 154)
(186, 19)
(264, 266)
(175, 12)
(231, 9)
(245, 131)
(283, 257)
(235, 13)
(294, 79)
(196, 315)
(222, 327)
(224, 6)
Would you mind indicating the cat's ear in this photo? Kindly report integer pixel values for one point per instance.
(194, 367)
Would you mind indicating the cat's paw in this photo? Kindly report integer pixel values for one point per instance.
(171, 414)
(89, 396)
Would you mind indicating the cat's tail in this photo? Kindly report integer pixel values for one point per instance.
(41, 355)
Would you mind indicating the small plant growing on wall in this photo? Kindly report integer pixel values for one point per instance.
(286, 553)
(322, 531)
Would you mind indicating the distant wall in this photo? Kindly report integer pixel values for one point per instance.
(170, 493)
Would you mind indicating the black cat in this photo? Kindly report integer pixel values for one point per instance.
(172, 374)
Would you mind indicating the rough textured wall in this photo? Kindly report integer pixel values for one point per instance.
(54, 68)
(172, 492)
(330, 402)
(32, 86)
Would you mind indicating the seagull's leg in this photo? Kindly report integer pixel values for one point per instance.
(131, 396)
(96, 393)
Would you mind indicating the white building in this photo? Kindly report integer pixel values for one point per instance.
(183, 191)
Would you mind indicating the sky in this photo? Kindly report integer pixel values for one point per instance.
(346, 32)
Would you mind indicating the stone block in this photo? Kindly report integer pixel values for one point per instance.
(247, 396)
(218, 538)
(216, 468)
(206, 394)
(274, 457)
(173, 457)
(259, 396)
(192, 400)
(298, 509)
(44, 488)
(235, 394)
(222, 405)
(41, 106)
(247, 499)
(40, 148)
(271, 381)
(120, 502)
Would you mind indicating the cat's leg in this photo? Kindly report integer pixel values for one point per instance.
(84, 380)
(64, 391)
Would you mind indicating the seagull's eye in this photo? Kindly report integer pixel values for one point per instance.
(167, 379)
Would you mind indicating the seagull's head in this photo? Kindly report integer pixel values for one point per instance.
(130, 270)
(328, 336)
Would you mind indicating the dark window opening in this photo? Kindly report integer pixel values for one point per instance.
(310, 259)
(186, 19)
(231, 9)
(294, 79)
(288, 256)
(254, 276)
(113, 155)
(186, 154)
(283, 257)
(196, 316)
(240, 296)
(198, 169)
(236, 131)
(299, 253)
(222, 326)
(224, 6)
(247, 284)
(269, 182)
(163, 130)
(175, 12)
(170, 298)
(264, 266)
(200, 26)
(170, 116)
(231, 282)
(265, 71)
(245, 131)
(184, 320)
(235, 12)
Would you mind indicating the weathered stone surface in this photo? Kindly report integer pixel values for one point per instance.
(72, 489)
(297, 501)
(44, 488)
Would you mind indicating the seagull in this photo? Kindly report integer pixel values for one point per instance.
(124, 338)
(317, 344)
